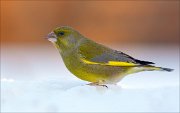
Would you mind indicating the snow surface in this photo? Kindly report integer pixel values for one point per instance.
(35, 80)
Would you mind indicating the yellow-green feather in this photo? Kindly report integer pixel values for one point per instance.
(110, 63)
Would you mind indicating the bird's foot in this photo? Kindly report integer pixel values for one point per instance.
(97, 84)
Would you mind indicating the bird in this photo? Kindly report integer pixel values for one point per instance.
(94, 62)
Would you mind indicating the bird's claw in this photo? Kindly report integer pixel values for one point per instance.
(97, 84)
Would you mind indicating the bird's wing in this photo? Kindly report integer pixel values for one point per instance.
(93, 53)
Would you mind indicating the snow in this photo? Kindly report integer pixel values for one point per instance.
(36, 80)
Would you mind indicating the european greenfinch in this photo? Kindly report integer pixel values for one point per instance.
(94, 62)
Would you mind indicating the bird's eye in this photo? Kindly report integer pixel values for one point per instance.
(61, 33)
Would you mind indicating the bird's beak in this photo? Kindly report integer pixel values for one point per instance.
(51, 37)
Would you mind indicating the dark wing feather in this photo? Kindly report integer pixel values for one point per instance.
(113, 56)
(144, 62)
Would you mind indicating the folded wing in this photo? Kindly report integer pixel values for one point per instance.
(93, 53)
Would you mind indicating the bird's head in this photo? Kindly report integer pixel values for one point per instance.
(64, 37)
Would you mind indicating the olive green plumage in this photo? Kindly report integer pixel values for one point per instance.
(94, 62)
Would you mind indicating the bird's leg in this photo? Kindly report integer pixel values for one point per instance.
(97, 84)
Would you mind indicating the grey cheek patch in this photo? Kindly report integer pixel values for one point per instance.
(71, 39)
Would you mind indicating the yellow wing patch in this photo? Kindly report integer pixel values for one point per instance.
(110, 63)
(115, 63)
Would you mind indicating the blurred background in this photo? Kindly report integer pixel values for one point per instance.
(147, 30)
(148, 22)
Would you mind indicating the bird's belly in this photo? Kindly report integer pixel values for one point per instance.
(96, 73)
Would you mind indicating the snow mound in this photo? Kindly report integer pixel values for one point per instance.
(57, 95)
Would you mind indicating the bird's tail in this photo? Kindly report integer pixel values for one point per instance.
(153, 68)
(147, 68)
(146, 65)
(166, 69)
